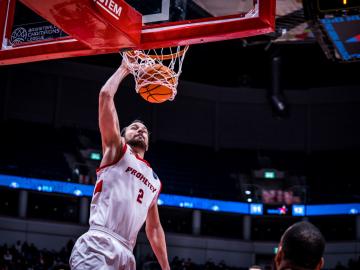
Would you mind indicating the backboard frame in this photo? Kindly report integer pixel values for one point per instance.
(169, 34)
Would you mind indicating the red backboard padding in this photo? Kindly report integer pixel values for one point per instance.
(105, 26)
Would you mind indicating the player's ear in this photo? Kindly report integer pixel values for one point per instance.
(320, 264)
(278, 257)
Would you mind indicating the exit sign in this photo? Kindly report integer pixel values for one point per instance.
(269, 175)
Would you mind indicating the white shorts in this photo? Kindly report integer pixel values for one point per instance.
(99, 250)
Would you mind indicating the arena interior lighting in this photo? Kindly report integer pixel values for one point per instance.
(170, 200)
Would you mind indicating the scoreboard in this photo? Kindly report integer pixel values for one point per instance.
(344, 33)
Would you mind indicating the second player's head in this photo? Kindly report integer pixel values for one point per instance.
(301, 248)
(136, 135)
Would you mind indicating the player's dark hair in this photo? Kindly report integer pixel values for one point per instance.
(123, 130)
(303, 245)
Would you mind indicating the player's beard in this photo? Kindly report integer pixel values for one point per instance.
(137, 143)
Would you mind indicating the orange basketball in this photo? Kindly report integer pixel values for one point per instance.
(152, 90)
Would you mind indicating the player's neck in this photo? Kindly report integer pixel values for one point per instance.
(139, 151)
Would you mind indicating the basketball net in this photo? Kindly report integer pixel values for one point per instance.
(144, 65)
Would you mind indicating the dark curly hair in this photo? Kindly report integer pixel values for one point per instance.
(303, 245)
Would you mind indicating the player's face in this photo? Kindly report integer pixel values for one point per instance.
(137, 135)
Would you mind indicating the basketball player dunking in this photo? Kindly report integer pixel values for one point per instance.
(125, 194)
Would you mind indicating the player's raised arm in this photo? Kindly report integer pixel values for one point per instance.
(108, 119)
(156, 236)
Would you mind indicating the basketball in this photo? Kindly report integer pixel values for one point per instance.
(153, 83)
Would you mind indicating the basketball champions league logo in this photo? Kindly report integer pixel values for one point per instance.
(34, 32)
(19, 35)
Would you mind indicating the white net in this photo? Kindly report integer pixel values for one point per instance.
(156, 67)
